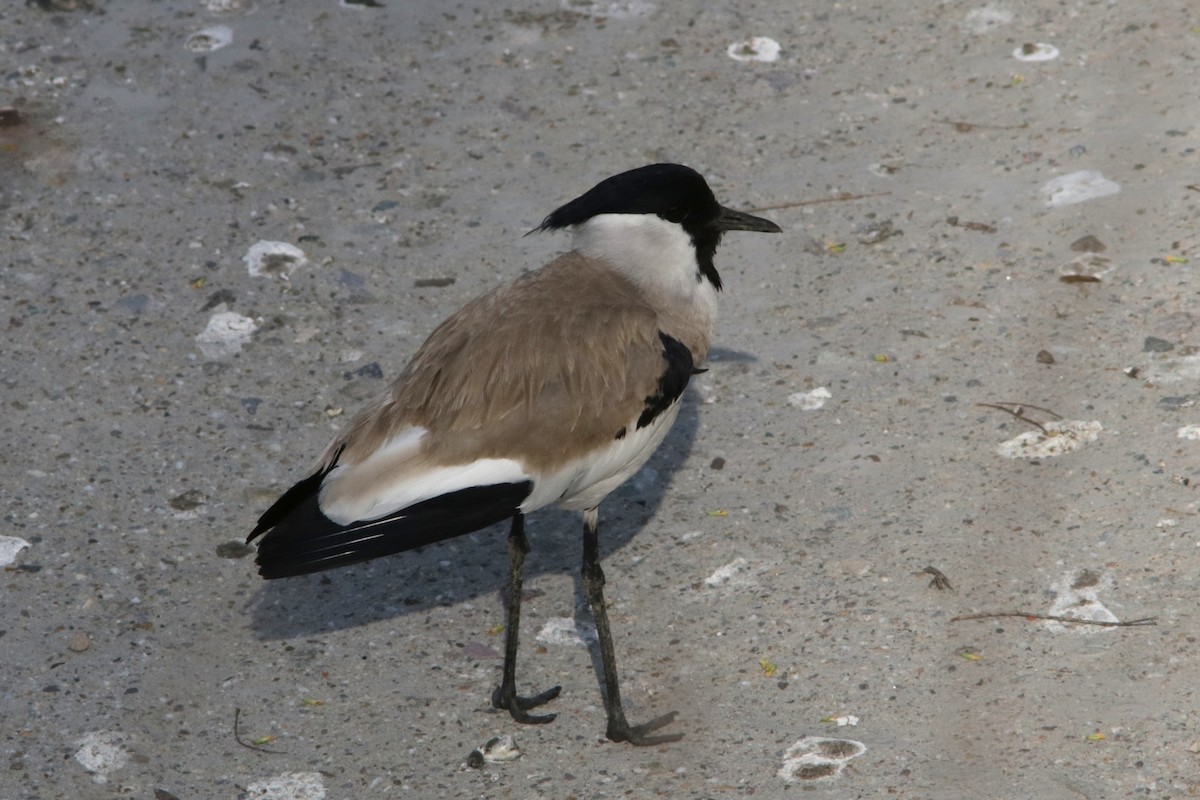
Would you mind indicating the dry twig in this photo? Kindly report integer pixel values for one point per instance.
(1018, 411)
(1058, 618)
(237, 736)
(841, 198)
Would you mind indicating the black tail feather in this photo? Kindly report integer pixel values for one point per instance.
(293, 498)
(300, 539)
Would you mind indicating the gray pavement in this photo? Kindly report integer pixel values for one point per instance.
(765, 569)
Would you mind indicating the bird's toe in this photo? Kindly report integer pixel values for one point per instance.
(519, 706)
(640, 735)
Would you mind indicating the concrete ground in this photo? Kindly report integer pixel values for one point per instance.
(938, 170)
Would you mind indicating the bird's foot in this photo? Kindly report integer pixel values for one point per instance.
(518, 706)
(622, 731)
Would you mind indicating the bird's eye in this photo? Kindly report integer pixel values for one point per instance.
(675, 214)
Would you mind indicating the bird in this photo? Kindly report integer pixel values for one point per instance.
(552, 389)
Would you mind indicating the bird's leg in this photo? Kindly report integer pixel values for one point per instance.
(619, 729)
(505, 695)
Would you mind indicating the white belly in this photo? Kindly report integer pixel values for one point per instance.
(583, 484)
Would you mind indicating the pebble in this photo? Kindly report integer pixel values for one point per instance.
(80, 641)
(1088, 244)
(189, 500)
(498, 748)
(234, 549)
(1153, 344)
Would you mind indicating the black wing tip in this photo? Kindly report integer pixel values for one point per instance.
(307, 541)
(295, 497)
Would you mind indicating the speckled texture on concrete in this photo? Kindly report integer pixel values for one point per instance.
(765, 570)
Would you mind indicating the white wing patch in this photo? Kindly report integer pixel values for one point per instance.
(397, 475)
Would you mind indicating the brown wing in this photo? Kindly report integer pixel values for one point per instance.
(541, 370)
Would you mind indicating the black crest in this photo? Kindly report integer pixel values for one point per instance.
(674, 192)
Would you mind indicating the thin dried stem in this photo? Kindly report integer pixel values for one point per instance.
(1058, 618)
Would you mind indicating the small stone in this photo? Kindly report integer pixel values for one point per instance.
(501, 748)
(80, 641)
(1155, 345)
(1088, 244)
(372, 370)
(717, 463)
(220, 298)
(189, 500)
(853, 567)
(433, 283)
(234, 549)
(497, 749)
(1045, 357)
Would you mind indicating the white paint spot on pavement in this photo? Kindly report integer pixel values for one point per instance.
(209, 39)
(9, 547)
(1178, 369)
(1061, 436)
(102, 752)
(756, 48)
(979, 21)
(1189, 432)
(225, 334)
(273, 259)
(625, 9)
(1078, 187)
(289, 786)
(1077, 595)
(225, 6)
(566, 631)
(1036, 52)
(723, 574)
(818, 758)
(809, 401)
